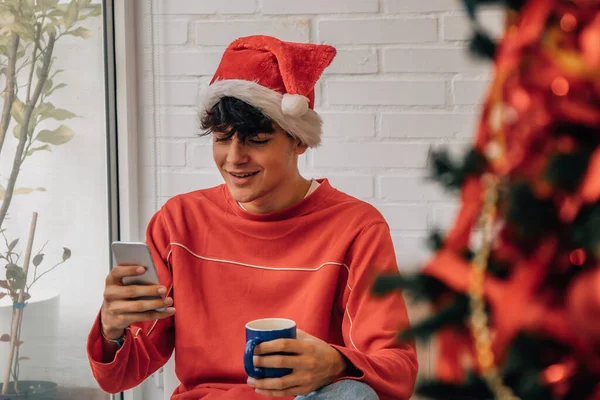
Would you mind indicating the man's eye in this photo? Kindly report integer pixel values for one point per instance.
(221, 139)
(258, 141)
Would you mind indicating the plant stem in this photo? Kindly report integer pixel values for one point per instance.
(35, 266)
(17, 313)
(24, 129)
(35, 48)
(45, 272)
(10, 87)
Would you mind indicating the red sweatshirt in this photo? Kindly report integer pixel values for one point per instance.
(313, 262)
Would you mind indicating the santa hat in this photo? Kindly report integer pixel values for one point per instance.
(276, 77)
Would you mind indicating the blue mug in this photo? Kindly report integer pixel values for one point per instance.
(264, 330)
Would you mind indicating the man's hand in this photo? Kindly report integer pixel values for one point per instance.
(316, 364)
(120, 308)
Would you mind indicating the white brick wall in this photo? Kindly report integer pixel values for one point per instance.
(402, 83)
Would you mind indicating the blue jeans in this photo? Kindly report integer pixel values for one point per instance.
(342, 390)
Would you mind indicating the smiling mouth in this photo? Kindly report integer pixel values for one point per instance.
(243, 175)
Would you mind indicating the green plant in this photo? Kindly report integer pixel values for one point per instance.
(29, 31)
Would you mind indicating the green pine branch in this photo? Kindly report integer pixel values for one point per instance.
(453, 314)
(474, 388)
(532, 216)
(420, 287)
(566, 170)
(452, 174)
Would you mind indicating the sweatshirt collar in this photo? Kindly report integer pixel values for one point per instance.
(302, 207)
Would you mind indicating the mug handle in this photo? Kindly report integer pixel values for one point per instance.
(251, 370)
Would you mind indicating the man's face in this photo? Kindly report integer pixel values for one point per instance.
(260, 170)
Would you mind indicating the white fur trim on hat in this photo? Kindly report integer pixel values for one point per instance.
(294, 105)
(288, 113)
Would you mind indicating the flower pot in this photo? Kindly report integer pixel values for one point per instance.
(31, 390)
(39, 333)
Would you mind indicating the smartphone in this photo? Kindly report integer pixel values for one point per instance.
(137, 253)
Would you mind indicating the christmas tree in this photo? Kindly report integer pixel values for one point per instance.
(515, 283)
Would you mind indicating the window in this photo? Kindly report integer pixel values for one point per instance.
(62, 173)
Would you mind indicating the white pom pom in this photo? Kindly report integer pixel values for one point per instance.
(294, 105)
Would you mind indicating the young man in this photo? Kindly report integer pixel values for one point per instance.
(267, 243)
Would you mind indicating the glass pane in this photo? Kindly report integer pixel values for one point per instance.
(52, 162)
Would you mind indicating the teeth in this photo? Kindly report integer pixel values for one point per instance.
(242, 176)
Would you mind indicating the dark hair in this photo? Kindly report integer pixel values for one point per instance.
(230, 116)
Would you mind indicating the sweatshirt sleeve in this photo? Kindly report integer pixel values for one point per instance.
(371, 324)
(148, 345)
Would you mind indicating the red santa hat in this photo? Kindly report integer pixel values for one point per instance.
(276, 77)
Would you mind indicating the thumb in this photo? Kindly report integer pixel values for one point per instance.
(300, 334)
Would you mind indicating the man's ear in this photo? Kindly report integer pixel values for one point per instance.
(299, 147)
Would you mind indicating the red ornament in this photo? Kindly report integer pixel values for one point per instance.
(560, 86)
(578, 257)
(583, 306)
(568, 22)
(557, 377)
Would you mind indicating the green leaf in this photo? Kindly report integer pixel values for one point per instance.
(59, 86)
(72, 14)
(16, 27)
(60, 114)
(12, 244)
(50, 27)
(58, 13)
(40, 148)
(83, 3)
(81, 32)
(47, 4)
(17, 275)
(20, 191)
(47, 110)
(66, 254)
(37, 260)
(28, 190)
(59, 136)
(43, 108)
(47, 86)
(30, 4)
(18, 110)
(58, 71)
(17, 131)
(6, 17)
(96, 12)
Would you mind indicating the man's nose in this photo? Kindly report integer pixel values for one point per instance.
(237, 152)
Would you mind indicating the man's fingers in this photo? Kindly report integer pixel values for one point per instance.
(294, 391)
(116, 292)
(276, 361)
(120, 271)
(280, 345)
(132, 318)
(301, 335)
(138, 306)
(290, 381)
